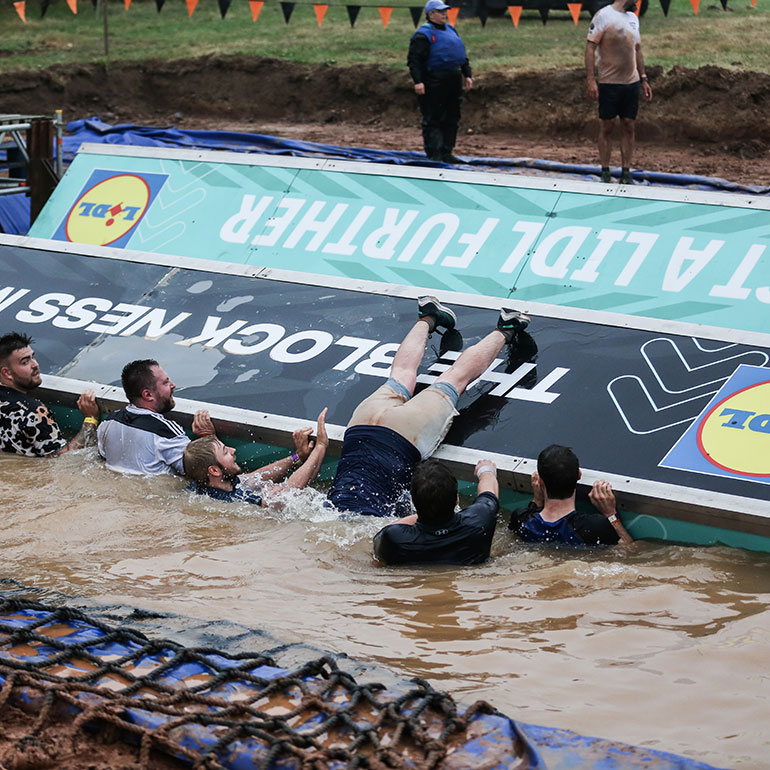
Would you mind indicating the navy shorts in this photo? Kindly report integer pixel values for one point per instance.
(618, 100)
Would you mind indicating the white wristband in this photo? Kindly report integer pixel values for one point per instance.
(612, 518)
(485, 469)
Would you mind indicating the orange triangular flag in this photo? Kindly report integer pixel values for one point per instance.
(320, 12)
(638, 10)
(256, 7)
(574, 9)
(452, 15)
(191, 6)
(73, 5)
(127, 3)
(754, 3)
(695, 5)
(19, 6)
(515, 11)
(385, 11)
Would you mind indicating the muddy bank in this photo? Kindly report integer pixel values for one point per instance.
(722, 116)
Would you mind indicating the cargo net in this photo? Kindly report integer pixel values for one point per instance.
(208, 709)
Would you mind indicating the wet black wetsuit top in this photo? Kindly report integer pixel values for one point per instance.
(466, 539)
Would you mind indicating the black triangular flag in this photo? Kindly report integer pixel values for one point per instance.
(353, 13)
(44, 7)
(159, 4)
(724, 5)
(223, 6)
(664, 4)
(416, 11)
(93, 2)
(544, 13)
(288, 9)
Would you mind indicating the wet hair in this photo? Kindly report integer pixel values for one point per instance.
(434, 492)
(197, 457)
(559, 471)
(138, 376)
(10, 342)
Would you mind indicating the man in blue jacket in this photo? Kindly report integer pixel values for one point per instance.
(440, 70)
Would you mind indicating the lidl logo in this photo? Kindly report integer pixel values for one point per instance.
(731, 437)
(109, 207)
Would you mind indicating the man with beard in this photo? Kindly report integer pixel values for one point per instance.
(27, 427)
(214, 471)
(139, 438)
(614, 33)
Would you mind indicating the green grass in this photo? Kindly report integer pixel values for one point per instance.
(735, 39)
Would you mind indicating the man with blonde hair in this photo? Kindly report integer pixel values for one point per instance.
(213, 470)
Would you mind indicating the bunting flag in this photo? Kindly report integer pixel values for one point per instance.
(73, 5)
(93, 2)
(695, 5)
(223, 6)
(385, 11)
(638, 9)
(452, 15)
(127, 4)
(664, 4)
(288, 9)
(159, 4)
(256, 8)
(574, 9)
(19, 6)
(320, 12)
(191, 6)
(754, 3)
(353, 11)
(543, 13)
(515, 11)
(482, 12)
(724, 4)
(416, 11)
(44, 7)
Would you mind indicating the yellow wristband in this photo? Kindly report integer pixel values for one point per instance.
(91, 420)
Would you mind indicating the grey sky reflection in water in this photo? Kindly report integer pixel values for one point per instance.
(663, 646)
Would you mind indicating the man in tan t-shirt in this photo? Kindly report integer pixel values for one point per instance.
(614, 32)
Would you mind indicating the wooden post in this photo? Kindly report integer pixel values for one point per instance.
(41, 176)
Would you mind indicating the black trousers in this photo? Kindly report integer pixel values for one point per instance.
(440, 107)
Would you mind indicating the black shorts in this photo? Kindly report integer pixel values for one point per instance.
(618, 100)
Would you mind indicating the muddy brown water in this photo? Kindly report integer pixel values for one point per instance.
(664, 646)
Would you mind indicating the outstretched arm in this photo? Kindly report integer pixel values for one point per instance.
(86, 436)
(280, 469)
(308, 471)
(603, 498)
(486, 473)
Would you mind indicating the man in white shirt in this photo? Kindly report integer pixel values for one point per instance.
(139, 438)
(614, 34)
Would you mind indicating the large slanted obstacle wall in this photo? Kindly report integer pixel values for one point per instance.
(668, 254)
(677, 420)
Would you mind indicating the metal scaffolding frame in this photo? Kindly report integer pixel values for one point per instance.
(14, 135)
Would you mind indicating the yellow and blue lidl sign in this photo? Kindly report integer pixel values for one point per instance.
(731, 437)
(109, 207)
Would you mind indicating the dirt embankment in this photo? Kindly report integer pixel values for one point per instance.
(708, 121)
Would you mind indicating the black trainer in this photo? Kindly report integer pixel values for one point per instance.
(606, 176)
(625, 177)
(511, 322)
(430, 306)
